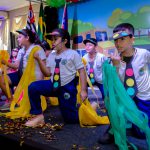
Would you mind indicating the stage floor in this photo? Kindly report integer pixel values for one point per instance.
(60, 136)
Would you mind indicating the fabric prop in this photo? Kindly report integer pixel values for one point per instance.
(87, 115)
(121, 108)
(20, 106)
(4, 55)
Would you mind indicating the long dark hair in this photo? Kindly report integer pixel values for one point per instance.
(46, 45)
(15, 49)
(33, 37)
(64, 34)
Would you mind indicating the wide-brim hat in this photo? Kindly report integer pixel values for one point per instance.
(91, 40)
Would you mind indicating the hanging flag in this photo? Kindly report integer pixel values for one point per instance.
(74, 29)
(41, 24)
(31, 20)
(65, 18)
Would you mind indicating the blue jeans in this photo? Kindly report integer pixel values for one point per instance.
(66, 96)
(15, 78)
(100, 86)
(143, 106)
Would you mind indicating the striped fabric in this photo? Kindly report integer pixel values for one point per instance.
(65, 19)
(31, 20)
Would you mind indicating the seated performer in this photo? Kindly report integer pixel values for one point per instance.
(13, 56)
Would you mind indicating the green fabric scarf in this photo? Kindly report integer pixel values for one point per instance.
(121, 108)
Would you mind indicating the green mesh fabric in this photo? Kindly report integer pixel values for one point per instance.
(121, 108)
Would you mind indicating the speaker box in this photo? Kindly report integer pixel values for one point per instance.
(51, 18)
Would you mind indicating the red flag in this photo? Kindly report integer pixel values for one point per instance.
(65, 18)
(31, 20)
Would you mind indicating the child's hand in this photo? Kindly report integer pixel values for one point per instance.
(115, 59)
(83, 95)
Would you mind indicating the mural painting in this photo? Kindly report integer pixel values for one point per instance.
(94, 18)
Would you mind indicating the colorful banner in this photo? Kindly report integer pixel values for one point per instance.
(31, 20)
(41, 24)
(65, 19)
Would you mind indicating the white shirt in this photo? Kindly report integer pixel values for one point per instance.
(97, 66)
(70, 63)
(39, 74)
(140, 63)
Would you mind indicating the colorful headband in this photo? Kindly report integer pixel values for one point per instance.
(120, 34)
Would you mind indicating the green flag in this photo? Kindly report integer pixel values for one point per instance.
(74, 29)
(41, 24)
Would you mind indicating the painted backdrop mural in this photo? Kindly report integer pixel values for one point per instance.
(97, 18)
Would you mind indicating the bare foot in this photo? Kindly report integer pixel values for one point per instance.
(36, 121)
(94, 105)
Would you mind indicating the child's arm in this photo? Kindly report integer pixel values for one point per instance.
(83, 81)
(42, 64)
(11, 65)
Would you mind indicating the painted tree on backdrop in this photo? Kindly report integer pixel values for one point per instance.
(140, 19)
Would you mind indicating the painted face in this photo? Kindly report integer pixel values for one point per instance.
(22, 40)
(124, 43)
(90, 48)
